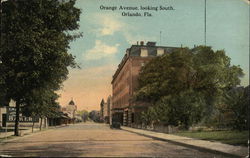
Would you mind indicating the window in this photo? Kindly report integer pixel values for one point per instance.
(160, 51)
(144, 52)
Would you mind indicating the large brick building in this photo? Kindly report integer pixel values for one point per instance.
(124, 82)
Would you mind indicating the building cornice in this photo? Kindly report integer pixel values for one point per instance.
(128, 56)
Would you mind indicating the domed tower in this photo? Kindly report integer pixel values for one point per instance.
(71, 102)
(71, 109)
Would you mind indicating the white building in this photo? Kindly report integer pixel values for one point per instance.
(7, 117)
(70, 109)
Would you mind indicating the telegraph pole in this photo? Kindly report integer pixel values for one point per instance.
(160, 37)
(205, 22)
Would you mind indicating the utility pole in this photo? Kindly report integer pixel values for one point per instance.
(205, 22)
(1, 25)
(160, 38)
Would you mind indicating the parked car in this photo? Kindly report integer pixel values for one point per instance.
(116, 125)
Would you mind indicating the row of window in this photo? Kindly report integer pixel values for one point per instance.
(122, 101)
(144, 52)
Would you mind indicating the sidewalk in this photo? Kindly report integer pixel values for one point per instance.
(26, 131)
(237, 151)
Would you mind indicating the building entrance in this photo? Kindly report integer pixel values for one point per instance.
(4, 118)
(118, 117)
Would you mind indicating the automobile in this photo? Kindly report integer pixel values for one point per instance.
(115, 125)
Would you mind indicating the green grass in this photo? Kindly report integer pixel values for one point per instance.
(227, 137)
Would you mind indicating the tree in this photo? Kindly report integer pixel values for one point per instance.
(84, 115)
(95, 116)
(34, 49)
(41, 103)
(234, 108)
(149, 116)
(187, 72)
(4, 99)
(183, 109)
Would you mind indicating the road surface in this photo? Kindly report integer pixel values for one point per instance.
(95, 140)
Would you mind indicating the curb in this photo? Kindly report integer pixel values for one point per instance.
(188, 145)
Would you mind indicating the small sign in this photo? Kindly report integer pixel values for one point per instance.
(11, 116)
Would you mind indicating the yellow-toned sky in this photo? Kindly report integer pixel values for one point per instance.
(87, 87)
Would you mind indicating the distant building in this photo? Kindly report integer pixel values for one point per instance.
(102, 110)
(124, 82)
(8, 117)
(105, 110)
(70, 110)
(109, 107)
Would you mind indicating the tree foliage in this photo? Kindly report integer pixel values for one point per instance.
(35, 38)
(186, 83)
(200, 69)
(42, 103)
(84, 115)
(234, 108)
(95, 116)
(183, 110)
(35, 41)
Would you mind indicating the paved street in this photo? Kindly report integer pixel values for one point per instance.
(91, 139)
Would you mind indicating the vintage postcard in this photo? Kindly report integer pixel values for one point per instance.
(124, 78)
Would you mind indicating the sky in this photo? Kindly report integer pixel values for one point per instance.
(107, 34)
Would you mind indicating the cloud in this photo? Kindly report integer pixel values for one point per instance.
(109, 24)
(100, 50)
